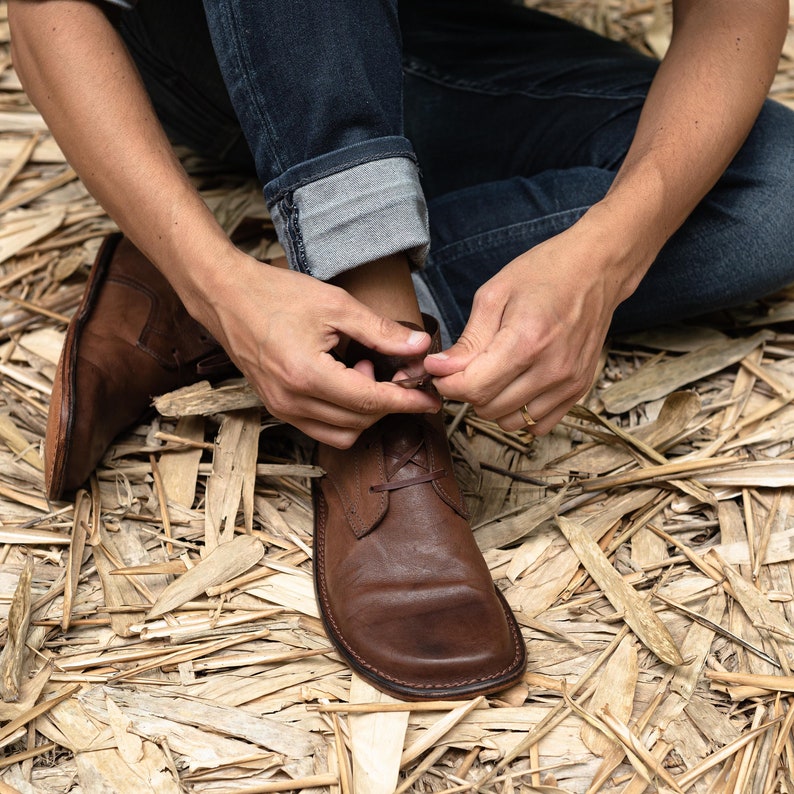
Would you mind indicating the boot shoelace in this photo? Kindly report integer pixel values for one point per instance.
(404, 459)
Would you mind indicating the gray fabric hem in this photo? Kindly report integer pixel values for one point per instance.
(363, 213)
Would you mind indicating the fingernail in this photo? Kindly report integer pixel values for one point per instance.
(416, 338)
(440, 356)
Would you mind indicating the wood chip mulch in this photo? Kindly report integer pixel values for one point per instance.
(159, 633)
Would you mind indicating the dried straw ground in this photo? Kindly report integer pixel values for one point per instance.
(646, 547)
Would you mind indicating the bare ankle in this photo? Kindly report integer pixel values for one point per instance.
(386, 287)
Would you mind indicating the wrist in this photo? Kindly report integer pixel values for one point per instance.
(621, 243)
(202, 270)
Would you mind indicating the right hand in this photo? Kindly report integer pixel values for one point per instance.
(279, 327)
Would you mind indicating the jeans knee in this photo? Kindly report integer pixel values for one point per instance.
(754, 195)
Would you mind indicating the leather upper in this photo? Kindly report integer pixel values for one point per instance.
(403, 589)
(130, 340)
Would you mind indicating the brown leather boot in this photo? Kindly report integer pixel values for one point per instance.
(130, 340)
(404, 592)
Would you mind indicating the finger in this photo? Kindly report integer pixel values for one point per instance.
(481, 328)
(324, 413)
(306, 407)
(327, 423)
(333, 435)
(555, 385)
(523, 419)
(506, 400)
(363, 394)
(453, 359)
(338, 426)
(379, 333)
(366, 368)
(347, 388)
(546, 412)
(489, 373)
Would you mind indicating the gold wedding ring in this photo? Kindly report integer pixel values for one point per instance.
(527, 418)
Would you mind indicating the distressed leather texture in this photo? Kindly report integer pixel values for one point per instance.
(130, 340)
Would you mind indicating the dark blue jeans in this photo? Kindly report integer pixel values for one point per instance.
(517, 120)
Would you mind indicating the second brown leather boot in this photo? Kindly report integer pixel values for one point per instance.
(403, 590)
(130, 340)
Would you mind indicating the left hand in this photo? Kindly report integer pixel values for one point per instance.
(535, 334)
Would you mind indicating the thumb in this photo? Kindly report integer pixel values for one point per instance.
(453, 359)
(381, 334)
(481, 328)
(472, 342)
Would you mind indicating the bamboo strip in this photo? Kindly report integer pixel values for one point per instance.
(34, 308)
(162, 500)
(25, 197)
(651, 383)
(226, 560)
(397, 706)
(41, 708)
(14, 653)
(555, 715)
(440, 729)
(190, 654)
(19, 160)
(660, 473)
(636, 612)
(82, 512)
(689, 777)
(25, 755)
(772, 683)
(297, 784)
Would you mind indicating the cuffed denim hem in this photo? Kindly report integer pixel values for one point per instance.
(355, 205)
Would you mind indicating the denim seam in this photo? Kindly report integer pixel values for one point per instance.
(336, 170)
(295, 236)
(245, 72)
(432, 75)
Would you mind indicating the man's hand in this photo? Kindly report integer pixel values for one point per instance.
(281, 328)
(534, 335)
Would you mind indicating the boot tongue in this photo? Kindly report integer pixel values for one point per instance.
(401, 439)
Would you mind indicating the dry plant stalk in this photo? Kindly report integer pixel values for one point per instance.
(223, 563)
(184, 651)
(14, 653)
(636, 612)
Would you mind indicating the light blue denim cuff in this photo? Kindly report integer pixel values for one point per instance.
(355, 215)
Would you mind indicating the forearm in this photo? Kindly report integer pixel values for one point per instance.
(700, 108)
(76, 70)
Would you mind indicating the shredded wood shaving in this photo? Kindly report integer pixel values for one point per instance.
(160, 632)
